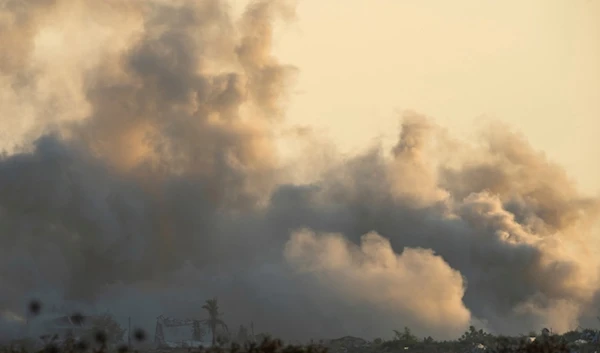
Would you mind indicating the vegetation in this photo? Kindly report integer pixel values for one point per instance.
(106, 325)
(214, 318)
(401, 339)
(472, 341)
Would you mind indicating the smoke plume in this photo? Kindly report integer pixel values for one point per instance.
(141, 175)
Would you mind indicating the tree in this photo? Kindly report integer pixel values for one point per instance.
(474, 336)
(214, 320)
(108, 327)
(406, 336)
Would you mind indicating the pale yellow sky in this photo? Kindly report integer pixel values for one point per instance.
(534, 64)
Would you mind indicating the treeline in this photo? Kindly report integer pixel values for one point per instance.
(478, 341)
(472, 341)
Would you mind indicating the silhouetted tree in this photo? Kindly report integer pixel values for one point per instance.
(476, 336)
(214, 320)
(406, 336)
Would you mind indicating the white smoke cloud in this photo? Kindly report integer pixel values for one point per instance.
(417, 285)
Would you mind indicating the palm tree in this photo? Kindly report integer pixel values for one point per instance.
(213, 321)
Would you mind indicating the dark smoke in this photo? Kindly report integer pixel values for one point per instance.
(141, 175)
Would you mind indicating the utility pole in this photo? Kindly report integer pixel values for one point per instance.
(129, 333)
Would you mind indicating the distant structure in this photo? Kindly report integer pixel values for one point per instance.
(61, 325)
(163, 321)
(346, 344)
(546, 332)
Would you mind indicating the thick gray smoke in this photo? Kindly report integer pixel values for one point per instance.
(141, 175)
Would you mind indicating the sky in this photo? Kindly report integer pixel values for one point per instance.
(532, 64)
(143, 170)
